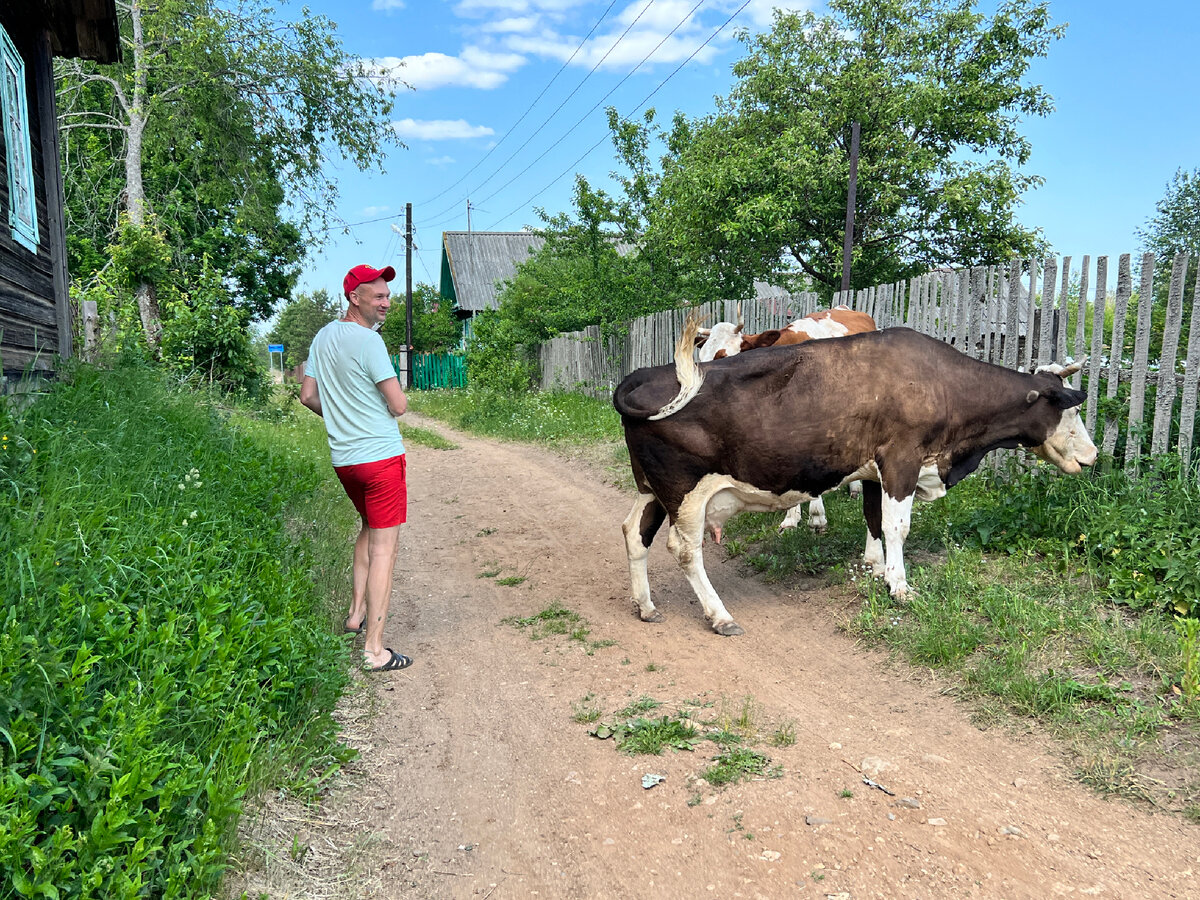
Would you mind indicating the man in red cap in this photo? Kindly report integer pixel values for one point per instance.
(350, 383)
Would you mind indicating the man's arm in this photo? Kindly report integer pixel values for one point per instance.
(393, 395)
(310, 396)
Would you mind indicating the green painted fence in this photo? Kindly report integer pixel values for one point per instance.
(435, 370)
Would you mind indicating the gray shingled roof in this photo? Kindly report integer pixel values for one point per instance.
(480, 261)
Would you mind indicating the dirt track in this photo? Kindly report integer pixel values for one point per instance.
(475, 781)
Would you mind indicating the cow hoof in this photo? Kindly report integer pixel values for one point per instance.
(729, 629)
(817, 529)
(654, 617)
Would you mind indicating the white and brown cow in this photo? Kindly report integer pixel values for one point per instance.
(726, 339)
(906, 413)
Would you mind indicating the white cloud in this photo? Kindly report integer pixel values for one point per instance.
(375, 210)
(512, 25)
(387, 5)
(439, 129)
(441, 161)
(474, 67)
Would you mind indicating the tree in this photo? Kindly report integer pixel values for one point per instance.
(219, 119)
(435, 327)
(1174, 228)
(760, 185)
(586, 273)
(299, 321)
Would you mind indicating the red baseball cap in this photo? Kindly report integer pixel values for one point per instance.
(365, 275)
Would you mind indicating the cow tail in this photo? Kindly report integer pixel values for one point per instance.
(689, 375)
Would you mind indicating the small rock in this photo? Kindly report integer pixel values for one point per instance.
(816, 820)
(909, 803)
(835, 746)
(935, 821)
(770, 855)
(873, 766)
(891, 817)
(1011, 829)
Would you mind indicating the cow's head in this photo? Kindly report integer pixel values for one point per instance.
(723, 339)
(1069, 446)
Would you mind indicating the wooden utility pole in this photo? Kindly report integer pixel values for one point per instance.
(408, 245)
(848, 246)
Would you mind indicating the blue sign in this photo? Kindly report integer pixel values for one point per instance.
(274, 348)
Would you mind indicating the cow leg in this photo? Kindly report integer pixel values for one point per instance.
(793, 517)
(855, 488)
(687, 544)
(816, 516)
(897, 516)
(639, 528)
(873, 513)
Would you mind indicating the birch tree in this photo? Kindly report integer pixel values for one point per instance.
(215, 130)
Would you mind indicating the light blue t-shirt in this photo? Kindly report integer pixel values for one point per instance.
(348, 360)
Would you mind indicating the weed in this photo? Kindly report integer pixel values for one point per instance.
(652, 736)
(510, 580)
(694, 799)
(1188, 631)
(484, 532)
(586, 710)
(491, 570)
(846, 794)
(642, 705)
(653, 667)
(737, 765)
(554, 619)
(784, 735)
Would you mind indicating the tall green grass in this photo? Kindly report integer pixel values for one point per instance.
(164, 647)
(550, 417)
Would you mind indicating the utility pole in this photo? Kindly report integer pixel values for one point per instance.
(848, 246)
(468, 215)
(408, 245)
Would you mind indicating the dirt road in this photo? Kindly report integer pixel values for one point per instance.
(476, 782)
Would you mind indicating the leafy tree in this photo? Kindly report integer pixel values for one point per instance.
(581, 276)
(217, 123)
(299, 321)
(207, 342)
(1175, 228)
(435, 327)
(938, 89)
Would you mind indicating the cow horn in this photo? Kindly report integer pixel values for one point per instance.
(740, 323)
(1031, 396)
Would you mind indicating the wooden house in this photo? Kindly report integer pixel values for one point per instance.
(35, 312)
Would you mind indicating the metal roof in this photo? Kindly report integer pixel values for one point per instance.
(479, 262)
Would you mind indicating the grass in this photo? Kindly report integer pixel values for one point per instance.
(557, 619)
(426, 437)
(169, 642)
(1071, 602)
(738, 764)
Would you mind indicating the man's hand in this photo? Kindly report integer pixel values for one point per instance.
(310, 396)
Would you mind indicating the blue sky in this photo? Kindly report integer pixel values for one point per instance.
(1124, 79)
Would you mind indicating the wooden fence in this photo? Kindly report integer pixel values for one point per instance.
(1025, 314)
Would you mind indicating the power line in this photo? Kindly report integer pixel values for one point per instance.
(575, 90)
(529, 108)
(626, 118)
(610, 93)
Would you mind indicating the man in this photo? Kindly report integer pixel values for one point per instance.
(350, 383)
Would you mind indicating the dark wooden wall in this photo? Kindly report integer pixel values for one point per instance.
(28, 316)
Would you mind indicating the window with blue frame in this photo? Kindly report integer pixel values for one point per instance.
(22, 207)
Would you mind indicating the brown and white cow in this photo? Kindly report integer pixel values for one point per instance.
(726, 339)
(906, 413)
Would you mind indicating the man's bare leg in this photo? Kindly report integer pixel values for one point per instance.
(376, 559)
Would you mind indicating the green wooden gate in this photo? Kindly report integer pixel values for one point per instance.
(436, 370)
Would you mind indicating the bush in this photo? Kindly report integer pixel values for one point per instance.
(162, 646)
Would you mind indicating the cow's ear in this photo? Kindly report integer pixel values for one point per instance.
(1065, 398)
(1031, 397)
(763, 339)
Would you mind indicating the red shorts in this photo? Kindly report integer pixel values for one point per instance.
(377, 490)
